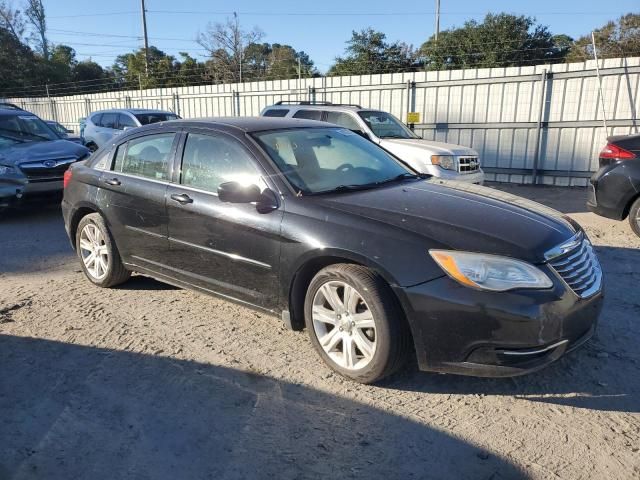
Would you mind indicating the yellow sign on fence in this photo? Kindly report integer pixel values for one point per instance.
(413, 117)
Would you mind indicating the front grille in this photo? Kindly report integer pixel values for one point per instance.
(580, 269)
(468, 164)
(46, 169)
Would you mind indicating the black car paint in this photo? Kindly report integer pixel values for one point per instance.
(262, 258)
(616, 185)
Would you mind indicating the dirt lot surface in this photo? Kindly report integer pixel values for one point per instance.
(151, 382)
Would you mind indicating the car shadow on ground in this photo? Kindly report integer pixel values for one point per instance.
(564, 199)
(73, 411)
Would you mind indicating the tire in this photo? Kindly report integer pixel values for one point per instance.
(634, 217)
(91, 146)
(93, 237)
(375, 352)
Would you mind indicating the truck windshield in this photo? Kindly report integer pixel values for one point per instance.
(385, 125)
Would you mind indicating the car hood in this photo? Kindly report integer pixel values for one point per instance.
(461, 216)
(44, 150)
(433, 148)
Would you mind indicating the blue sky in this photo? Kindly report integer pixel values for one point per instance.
(322, 34)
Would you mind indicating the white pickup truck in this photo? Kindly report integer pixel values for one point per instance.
(443, 160)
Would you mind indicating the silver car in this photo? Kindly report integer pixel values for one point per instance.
(101, 126)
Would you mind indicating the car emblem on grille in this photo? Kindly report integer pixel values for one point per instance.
(49, 163)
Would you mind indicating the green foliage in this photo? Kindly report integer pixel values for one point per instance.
(501, 40)
(614, 39)
(368, 52)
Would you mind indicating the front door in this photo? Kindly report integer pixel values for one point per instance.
(230, 249)
(134, 190)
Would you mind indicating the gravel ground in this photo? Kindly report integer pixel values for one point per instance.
(151, 382)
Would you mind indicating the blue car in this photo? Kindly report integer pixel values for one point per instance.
(33, 157)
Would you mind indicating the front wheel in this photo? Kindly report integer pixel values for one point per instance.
(98, 253)
(355, 323)
(634, 217)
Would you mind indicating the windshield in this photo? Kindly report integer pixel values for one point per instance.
(385, 125)
(319, 160)
(23, 128)
(147, 118)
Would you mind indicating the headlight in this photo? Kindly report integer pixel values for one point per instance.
(447, 162)
(489, 272)
(4, 170)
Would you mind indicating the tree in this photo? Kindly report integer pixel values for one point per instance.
(37, 18)
(619, 38)
(501, 40)
(368, 52)
(11, 20)
(17, 63)
(225, 44)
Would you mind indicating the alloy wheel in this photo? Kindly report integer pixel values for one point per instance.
(94, 251)
(344, 325)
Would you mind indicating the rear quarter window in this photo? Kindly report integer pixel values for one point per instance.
(276, 112)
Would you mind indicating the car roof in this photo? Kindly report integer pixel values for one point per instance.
(244, 124)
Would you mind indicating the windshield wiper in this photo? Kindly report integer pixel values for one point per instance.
(18, 132)
(364, 186)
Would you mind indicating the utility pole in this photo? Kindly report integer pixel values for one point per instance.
(146, 39)
(437, 18)
(238, 40)
(595, 56)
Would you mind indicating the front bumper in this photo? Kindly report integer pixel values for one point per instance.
(495, 334)
(441, 173)
(16, 190)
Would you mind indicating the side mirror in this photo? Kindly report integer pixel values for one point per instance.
(233, 192)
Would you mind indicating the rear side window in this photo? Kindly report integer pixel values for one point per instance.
(309, 114)
(276, 112)
(149, 118)
(147, 156)
(109, 120)
(209, 161)
(96, 119)
(125, 121)
(344, 120)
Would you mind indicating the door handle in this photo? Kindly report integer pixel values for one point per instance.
(112, 181)
(182, 198)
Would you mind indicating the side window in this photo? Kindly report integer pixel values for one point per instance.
(96, 119)
(344, 120)
(102, 161)
(209, 161)
(309, 114)
(276, 112)
(109, 120)
(125, 121)
(147, 156)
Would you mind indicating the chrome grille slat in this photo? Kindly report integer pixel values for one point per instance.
(468, 164)
(580, 269)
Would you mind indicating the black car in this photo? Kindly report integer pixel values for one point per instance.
(615, 187)
(33, 158)
(329, 231)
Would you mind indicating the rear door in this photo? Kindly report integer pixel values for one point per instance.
(230, 249)
(107, 127)
(133, 194)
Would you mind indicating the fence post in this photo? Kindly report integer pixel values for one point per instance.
(176, 104)
(87, 106)
(542, 124)
(312, 94)
(411, 100)
(237, 102)
(127, 101)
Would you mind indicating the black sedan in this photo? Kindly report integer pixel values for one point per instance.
(326, 230)
(615, 187)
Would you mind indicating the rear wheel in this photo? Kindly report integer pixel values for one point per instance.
(98, 253)
(355, 323)
(634, 217)
(91, 146)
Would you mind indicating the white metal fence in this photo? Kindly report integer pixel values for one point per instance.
(541, 120)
